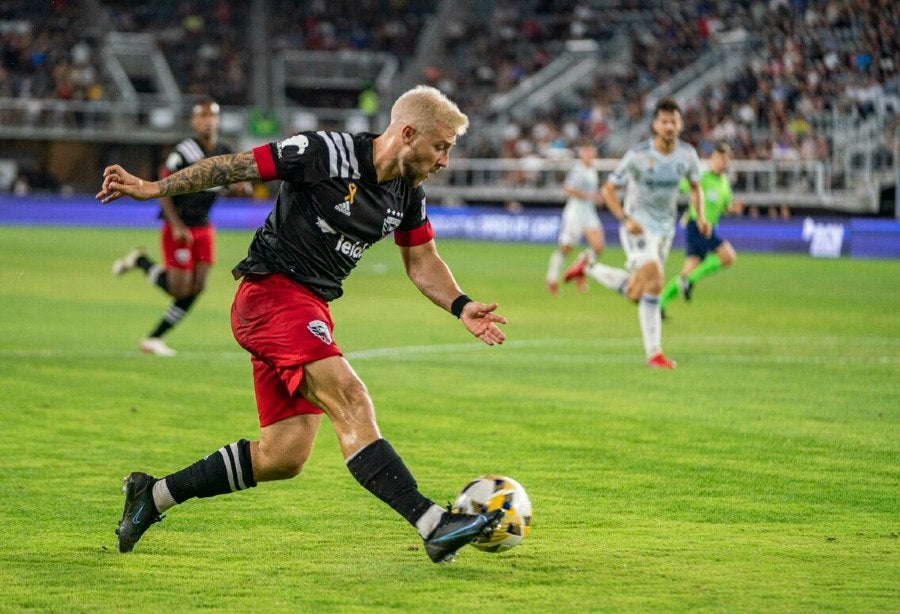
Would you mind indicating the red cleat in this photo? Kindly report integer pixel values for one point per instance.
(576, 271)
(553, 287)
(658, 361)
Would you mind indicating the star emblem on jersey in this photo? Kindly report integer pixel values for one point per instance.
(320, 330)
(391, 222)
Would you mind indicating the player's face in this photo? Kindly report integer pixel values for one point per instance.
(205, 120)
(667, 126)
(718, 162)
(587, 155)
(428, 152)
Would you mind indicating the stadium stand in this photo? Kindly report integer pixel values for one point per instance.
(806, 91)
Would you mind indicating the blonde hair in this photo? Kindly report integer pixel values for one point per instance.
(424, 106)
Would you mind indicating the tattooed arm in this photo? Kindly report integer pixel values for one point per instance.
(207, 173)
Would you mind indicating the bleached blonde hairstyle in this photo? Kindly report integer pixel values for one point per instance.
(424, 106)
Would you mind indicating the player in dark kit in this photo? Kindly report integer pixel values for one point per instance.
(340, 194)
(187, 238)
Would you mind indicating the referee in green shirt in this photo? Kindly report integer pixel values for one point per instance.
(705, 255)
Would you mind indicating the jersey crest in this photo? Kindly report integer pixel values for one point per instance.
(320, 330)
(391, 222)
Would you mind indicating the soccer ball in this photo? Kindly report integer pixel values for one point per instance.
(494, 492)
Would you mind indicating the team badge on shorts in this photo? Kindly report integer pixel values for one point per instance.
(320, 330)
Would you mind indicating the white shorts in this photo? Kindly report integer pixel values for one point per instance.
(575, 222)
(644, 247)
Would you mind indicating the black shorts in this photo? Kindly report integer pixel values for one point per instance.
(698, 245)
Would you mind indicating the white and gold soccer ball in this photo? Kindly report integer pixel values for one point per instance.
(494, 492)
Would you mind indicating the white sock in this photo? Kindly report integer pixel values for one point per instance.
(429, 520)
(162, 498)
(650, 319)
(611, 277)
(556, 262)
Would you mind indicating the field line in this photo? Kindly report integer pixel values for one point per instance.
(884, 350)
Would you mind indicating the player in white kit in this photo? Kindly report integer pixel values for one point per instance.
(650, 173)
(579, 217)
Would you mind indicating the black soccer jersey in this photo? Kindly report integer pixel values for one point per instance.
(330, 209)
(193, 209)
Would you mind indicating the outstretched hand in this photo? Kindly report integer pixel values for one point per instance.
(705, 228)
(117, 182)
(482, 322)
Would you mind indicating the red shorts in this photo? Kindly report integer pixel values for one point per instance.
(180, 255)
(284, 326)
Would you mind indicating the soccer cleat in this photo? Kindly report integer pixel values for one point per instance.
(687, 287)
(553, 287)
(456, 530)
(155, 345)
(128, 261)
(576, 271)
(140, 511)
(658, 361)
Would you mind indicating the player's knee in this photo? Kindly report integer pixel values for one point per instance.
(728, 257)
(283, 464)
(349, 404)
(650, 280)
(634, 291)
(290, 468)
(354, 395)
(180, 289)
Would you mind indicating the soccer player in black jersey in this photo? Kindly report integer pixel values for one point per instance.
(187, 238)
(340, 193)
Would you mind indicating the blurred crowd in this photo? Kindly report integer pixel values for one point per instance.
(51, 49)
(47, 50)
(812, 57)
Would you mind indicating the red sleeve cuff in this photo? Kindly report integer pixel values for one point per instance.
(265, 162)
(416, 236)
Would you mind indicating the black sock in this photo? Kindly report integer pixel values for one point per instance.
(382, 472)
(144, 263)
(154, 273)
(174, 314)
(158, 276)
(226, 470)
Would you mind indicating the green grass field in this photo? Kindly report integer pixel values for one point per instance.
(762, 475)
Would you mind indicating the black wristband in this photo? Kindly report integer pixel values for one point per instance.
(458, 303)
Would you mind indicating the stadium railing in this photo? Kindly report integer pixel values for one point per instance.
(805, 184)
(851, 183)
